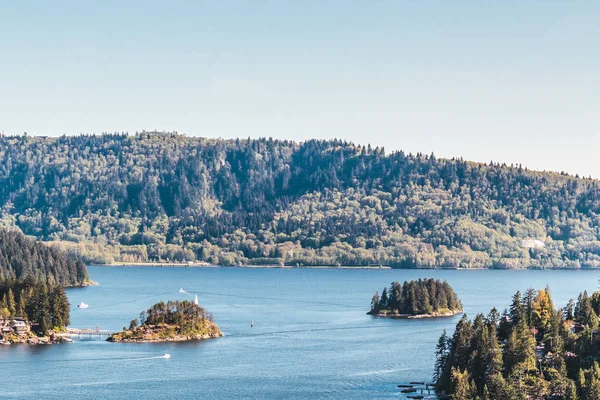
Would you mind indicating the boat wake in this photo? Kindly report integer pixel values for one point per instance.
(101, 359)
(164, 356)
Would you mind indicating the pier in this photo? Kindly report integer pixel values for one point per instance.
(86, 332)
(411, 388)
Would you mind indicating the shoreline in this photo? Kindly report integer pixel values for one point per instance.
(207, 265)
(164, 333)
(177, 338)
(374, 267)
(34, 340)
(418, 316)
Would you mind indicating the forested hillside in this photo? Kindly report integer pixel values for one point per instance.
(21, 258)
(163, 196)
(532, 351)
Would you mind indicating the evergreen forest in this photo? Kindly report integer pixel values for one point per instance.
(166, 197)
(530, 351)
(32, 277)
(421, 297)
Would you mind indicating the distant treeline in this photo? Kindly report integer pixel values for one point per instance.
(531, 351)
(168, 197)
(45, 306)
(21, 257)
(422, 297)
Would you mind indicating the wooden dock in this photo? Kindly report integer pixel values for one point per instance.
(86, 332)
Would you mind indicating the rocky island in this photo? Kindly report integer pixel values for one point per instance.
(424, 298)
(174, 321)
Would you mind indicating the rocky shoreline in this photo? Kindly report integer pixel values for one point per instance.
(418, 316)
(163, 333)
(31, 339)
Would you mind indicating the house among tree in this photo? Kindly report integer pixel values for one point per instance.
(14, 325)
(20, 326)
(576, 328)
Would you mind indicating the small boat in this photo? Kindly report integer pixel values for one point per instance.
(181, 290)
(405, 386)
(251, 324)
(82, 305)
(196, 300)
(409, 390)
(166, 355)
(417, 383)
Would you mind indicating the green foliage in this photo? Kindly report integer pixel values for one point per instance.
(168, 197)
(187, 317)
(32, 276)
(464, 387)
(45, 307)
(421, 297)
(527, 353)
(22, 257)
(173, 320)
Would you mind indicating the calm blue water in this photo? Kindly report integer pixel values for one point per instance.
(311, 338)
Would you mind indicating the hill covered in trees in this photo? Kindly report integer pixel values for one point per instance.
(32, 277)
(164, 196)
(22, 257)
(425, 297)
(532, 351)
(170, 321)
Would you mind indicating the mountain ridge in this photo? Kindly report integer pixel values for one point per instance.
(168, 197)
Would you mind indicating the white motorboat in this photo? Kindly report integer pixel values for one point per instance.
(166, 355)
(82, 305)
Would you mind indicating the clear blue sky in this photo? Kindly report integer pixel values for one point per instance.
(503, 80)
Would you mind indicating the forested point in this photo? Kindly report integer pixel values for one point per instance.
(43, 307)
(531, 351)
(165, 197)
(425, 297)
(22, 257)
(173, 320)
(32, 277)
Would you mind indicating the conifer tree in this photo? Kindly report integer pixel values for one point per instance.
(441, 355)
(21, 305)
(383, 301)
(516, 309)
(375, 303)
(569, 310)
(11, 305)
(464, 387)
(59, 308)
(528, 299)
(42, 314)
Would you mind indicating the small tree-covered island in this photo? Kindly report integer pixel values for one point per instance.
(531, 351)
(174, 321)
(424, 298)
